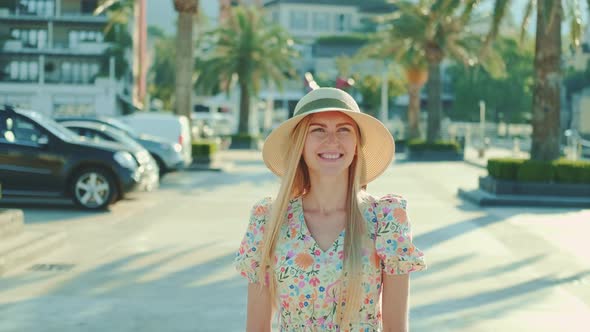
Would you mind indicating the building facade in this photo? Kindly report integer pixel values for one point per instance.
(53, 59)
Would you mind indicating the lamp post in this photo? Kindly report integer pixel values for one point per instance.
(482, 128)
(384, 95)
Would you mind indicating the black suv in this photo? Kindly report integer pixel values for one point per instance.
(41, 158)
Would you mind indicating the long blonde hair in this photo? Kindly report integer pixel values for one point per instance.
(295, 182)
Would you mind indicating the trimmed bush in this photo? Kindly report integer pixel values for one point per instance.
(203, 149)
(536, 171)
(421, 145)
(504, 169)
(356, 38)
(559, 171)
(569, 171)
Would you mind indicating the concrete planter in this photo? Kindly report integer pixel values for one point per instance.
(432, 155)
(506, 187)
(400, 147)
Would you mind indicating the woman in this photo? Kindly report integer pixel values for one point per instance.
(326, 254)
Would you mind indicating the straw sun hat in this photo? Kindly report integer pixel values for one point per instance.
(376, 143)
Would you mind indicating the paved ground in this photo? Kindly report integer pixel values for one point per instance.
(163, 262)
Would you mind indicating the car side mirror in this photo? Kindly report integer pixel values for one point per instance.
(43, 141)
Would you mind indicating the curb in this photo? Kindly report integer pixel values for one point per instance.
(213, 167)
(484, 198)
(474, 163)
(11, 222)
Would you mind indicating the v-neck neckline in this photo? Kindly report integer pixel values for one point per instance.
(307, 232)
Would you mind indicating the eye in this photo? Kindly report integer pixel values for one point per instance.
(344, 129)
(317, 130)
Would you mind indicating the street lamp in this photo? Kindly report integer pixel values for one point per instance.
(482, 128)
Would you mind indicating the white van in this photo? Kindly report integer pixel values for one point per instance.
(171, 127)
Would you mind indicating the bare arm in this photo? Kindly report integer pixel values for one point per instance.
(395, 302)
(259, 309)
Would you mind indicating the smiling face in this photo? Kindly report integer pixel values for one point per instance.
(330, 144)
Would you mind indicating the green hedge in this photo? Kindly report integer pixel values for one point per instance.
(355, 38)
(204, 148)
(560, 171)
(244, 138)
(504, 169)
(421, 145)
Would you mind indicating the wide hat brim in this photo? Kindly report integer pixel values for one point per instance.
(376, 145)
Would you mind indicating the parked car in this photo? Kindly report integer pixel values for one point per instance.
(168, 155)
(41, 158)
(171, 127)
(102, 133)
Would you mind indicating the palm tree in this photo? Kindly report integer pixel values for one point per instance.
(547, 85)
(439, 29)
(249, 49)
(187, 10)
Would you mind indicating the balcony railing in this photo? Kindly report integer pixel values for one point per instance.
(83, 47)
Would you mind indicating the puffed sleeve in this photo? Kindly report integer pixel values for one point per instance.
(247, 258)
(393, 241)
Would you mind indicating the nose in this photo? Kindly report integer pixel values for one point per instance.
(331, 137)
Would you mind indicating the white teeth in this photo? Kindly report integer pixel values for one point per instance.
(330, 155)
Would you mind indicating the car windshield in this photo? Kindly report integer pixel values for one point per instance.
(54, 127)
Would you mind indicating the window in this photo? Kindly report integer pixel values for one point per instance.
(35, 7)
(24, 70)
(321, 22)
(343, 22)
(19, 130)
(35, 38)
(77, 36)
(298, 20)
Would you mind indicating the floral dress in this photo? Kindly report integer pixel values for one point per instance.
(309, 279)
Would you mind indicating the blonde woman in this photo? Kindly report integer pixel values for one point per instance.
(324, 253)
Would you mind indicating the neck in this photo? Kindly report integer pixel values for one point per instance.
(327, 194)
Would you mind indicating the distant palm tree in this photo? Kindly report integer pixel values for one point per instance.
(433, 30)
(547, 85)
(249, 49)
(386, 45)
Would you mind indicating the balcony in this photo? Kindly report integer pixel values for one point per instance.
(81, 48)
(50, 16)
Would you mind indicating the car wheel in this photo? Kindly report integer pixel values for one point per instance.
(93, 189)
(161, 165)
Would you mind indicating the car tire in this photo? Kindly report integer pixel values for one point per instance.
(93, 189)
(161, 165)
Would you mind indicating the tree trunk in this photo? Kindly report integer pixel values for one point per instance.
(416, 79)
(434, 101)
(244, 124)
(546, 93)
(414, 111)
(185, 57)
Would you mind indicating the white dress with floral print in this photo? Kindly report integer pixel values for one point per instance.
(309, 279)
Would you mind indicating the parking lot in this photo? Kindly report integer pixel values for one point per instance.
(163, 262)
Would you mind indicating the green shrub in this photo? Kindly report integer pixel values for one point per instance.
(204, 149)
(421, 145)
(504, 168)
(569, 171)
(356, 38)
(536, 171)
(244, 138)
(559, 171)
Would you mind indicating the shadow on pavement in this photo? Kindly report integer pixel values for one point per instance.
(139, 292)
